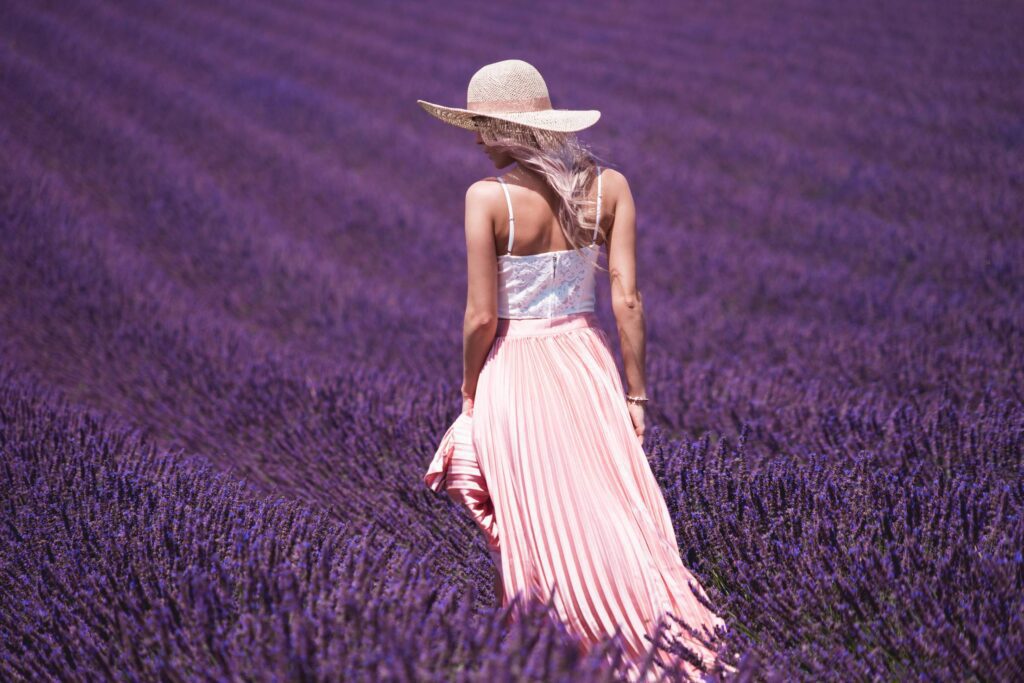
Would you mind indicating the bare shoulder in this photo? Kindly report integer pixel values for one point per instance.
(482, 190)
(615, 181)
(617, 200)
(481, 207)
(613, 174)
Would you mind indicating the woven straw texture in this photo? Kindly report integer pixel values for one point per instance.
(511, 90)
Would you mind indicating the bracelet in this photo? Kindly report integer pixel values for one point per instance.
(637, 399)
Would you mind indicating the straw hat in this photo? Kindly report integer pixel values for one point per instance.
(511, 90)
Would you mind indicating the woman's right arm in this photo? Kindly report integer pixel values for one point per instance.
(627, 303)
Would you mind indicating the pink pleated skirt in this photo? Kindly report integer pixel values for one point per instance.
(552, 471)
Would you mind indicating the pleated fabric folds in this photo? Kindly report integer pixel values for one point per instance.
(554, 475)
(456, 470)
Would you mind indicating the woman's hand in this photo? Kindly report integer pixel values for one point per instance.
(636, 412)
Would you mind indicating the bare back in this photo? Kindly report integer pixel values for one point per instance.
(537, 228)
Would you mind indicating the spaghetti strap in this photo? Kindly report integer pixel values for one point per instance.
(597, 223)
(511, 217)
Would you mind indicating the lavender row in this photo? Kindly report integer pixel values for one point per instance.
(123, 561)
(228, 228)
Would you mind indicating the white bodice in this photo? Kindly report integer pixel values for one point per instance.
(548, 284)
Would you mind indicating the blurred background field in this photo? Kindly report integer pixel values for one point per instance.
(232, 278)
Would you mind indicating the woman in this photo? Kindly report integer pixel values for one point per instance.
(547, 453)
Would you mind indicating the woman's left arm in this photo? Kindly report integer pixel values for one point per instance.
(481, 319)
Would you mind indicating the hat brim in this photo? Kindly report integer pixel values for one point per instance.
(560, 120)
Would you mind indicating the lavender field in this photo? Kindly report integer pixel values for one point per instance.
(232, 280)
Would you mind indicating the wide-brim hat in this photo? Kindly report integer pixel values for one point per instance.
(511, 90)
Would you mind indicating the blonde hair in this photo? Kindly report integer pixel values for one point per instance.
(567, 165)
